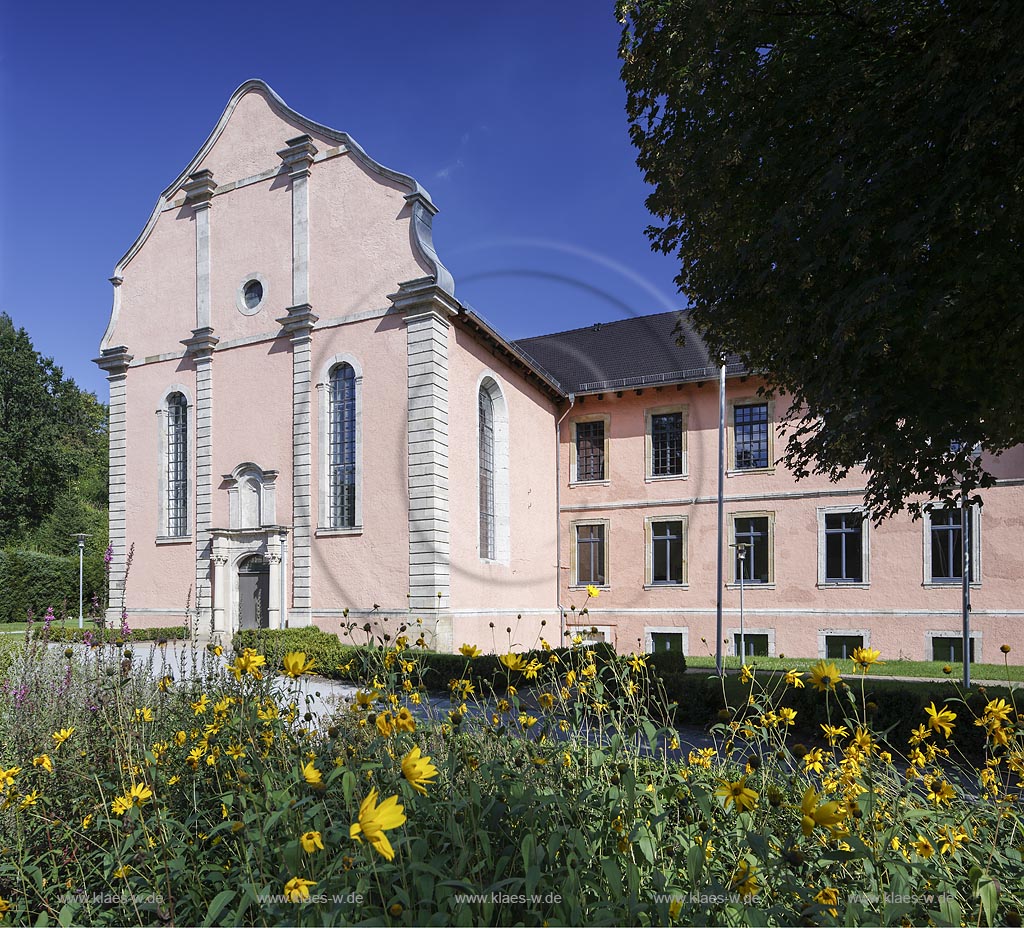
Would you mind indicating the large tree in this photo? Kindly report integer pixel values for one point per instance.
(53, 443)
(843, 183)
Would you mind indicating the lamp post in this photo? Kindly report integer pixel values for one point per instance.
(721, 519)
(965, 545)
(81, 536)
(741, 549)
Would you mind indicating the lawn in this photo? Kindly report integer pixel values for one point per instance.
(997, 673)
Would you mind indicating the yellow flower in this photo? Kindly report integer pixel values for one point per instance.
(297, 889)
(120, 805)
(30, 799)
(950, 840)
(546, 700)
(998, 711)
(513, 661)
(829, 898)
(592, 591)
(385, 724)
(122, 872)
(940, 719)
(236, 751)
(746, 674)
(834, 732)
(744, 880)
(404, 721)
(312, 841)
(144, 714)
(787, 716)
(201, 704)
(919, 734)
(7, 776)
(739, 793)
(813, 761)
(215, 649)
(674, 908)
(636, 663)
(312, 776)
(470, 650)
(180, 738)
(794, 678)
(940, 792)
(165, 683)
(173, 780)
(249, 662)
(138, 794)
(43, 760)
(531, 669)
(59, 737)
(375, 819)
(865, 657)
(824, 676)
(923, 847)
(826, 815)
(418, 770)
(295, 664)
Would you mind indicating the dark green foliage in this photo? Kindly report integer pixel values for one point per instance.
(110, 635)
(53, 441)
(895, 706)
(843, 184)
(33, 581)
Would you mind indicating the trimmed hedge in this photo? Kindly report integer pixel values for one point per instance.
(896, 707)
(110, 635)
(30, 580)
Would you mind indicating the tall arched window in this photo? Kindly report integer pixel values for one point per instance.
(177, 465)
(485, 406)
(342, 448)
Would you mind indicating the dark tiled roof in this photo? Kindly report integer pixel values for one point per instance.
(627, 353)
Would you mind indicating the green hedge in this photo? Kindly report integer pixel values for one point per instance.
(110, 635)
(33, 581)
(895, 706)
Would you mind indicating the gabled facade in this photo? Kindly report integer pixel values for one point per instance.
(307, 426)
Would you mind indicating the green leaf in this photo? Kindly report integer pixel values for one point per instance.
(218, 904)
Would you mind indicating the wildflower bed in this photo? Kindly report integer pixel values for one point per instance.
(130, 797)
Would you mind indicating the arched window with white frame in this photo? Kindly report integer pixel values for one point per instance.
(340, 435)
(175, 522)
(492, 470)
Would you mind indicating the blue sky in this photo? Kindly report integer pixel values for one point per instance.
(511, 115)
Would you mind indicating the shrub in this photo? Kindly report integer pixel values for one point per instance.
(30, 581)
(72, 633)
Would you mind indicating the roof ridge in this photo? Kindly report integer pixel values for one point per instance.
(590, 326)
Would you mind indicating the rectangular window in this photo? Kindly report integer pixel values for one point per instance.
(590, 555)
(947, 539)
(950, 649)
(840, 647)
(754, 645)
(590, 464)
(844, 547)
(752, 543)
(750, 436)
(662, 642)
(667, 444)
(668, 541)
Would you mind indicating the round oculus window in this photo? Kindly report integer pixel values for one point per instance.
(252, 295)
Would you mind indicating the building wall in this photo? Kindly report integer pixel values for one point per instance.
(896, 611)
(516, 590)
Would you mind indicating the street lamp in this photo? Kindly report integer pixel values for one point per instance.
(741, 549)
(81, 536)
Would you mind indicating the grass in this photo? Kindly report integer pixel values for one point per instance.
(892, 668)
(17, 628)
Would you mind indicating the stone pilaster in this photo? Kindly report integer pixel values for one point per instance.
(200, 347)
(426, 310)
(199, 190)
(115, 362)
(298, 325)
(297, 158)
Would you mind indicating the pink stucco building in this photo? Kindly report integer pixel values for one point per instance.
(307, 426)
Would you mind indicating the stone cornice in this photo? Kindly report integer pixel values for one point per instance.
(202, 343)
(299, 155)
(199, 189)
(114, 360)
(423, 295)
(299, 321)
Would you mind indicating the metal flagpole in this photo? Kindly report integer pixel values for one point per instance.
(721, 519)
